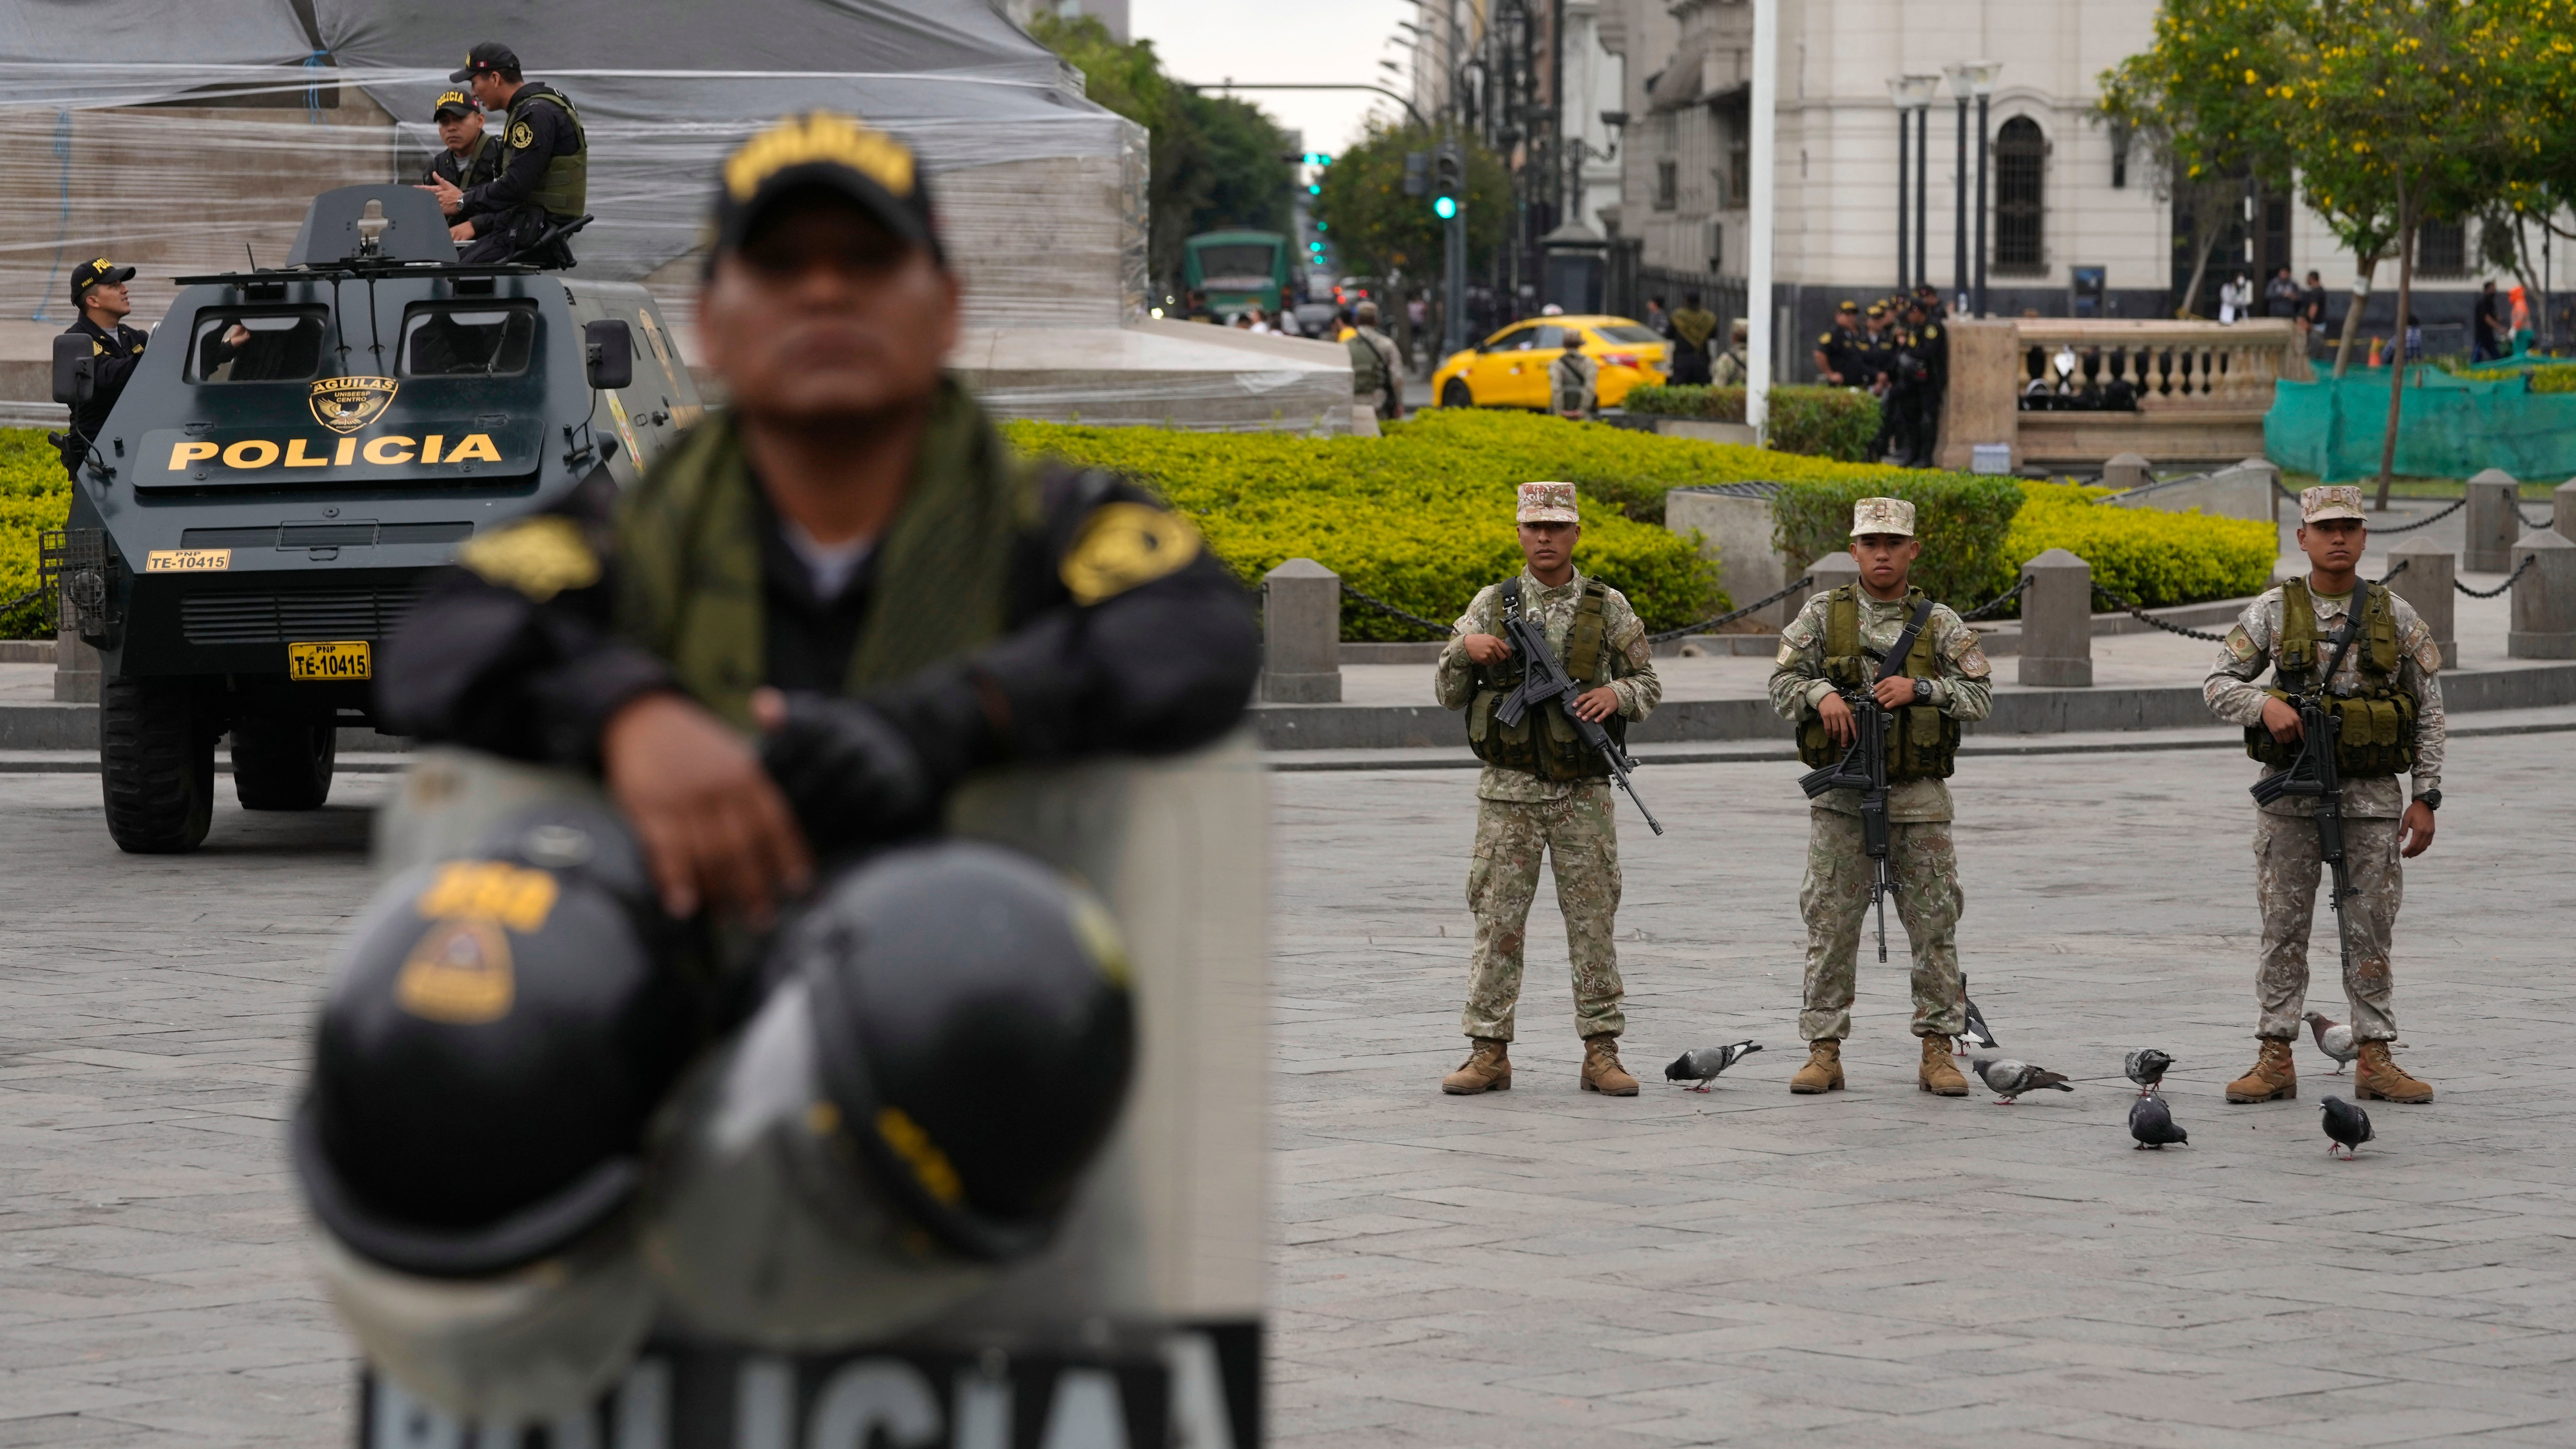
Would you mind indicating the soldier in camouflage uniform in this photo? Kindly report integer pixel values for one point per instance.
(1543, 791)
(2394, 725)
(1837, 643)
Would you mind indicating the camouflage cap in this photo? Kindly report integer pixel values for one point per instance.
(2330, 500)
(1547, 503)
(1882, 515)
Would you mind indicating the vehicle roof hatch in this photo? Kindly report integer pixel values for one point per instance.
(405, 226)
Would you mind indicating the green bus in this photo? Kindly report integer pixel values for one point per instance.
(1237, 270)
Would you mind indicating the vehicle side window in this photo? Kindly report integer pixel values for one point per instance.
(1513, 340)
(477, 339)
(236, 345)
(1552, 337)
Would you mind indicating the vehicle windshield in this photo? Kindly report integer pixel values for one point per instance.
(1239, 264)
(1627, 332)
(467, 340)
(1513, 340)
(232, 345)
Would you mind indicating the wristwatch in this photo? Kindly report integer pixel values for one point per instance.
(1922, 690)
(2432, 799)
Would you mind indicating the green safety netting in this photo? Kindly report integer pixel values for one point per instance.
(2447, 426)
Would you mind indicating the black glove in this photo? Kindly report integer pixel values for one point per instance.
(851, 778)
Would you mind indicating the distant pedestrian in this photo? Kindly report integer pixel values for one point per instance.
(2235, 299)
(2487, 325)
(1689, 330)
(1729, 369)
(1655, 317)
(1377, 368)
(2281, 296)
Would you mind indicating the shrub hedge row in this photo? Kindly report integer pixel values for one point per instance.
(1963, 519)
(34, 496)
(1817, 422)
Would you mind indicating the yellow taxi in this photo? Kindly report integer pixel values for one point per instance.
(1510, 368)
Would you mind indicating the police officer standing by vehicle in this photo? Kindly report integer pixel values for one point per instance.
(2388, 696)
(1544, 792)
(469, 156)
(544, 178)
(1839, 643)
(827, 605)
(98, 290)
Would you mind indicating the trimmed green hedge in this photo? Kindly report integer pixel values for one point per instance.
(35, 495)
(1963, 519)
(1817, 422)
(2153, 557)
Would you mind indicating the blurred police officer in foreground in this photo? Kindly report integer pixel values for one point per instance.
(544, 175)
(470, 156)
(826, 606)
(98, 290)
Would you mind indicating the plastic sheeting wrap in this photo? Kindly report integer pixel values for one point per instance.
(190, 138)
(2447, 427)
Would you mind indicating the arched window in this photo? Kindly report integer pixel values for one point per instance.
(2021, 166)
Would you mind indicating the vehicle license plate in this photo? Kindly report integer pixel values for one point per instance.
(339, 659)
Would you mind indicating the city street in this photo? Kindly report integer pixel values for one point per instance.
(1541, 1267)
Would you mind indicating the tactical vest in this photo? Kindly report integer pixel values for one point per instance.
(2377, 737)
(1544, 742)
(1368, 368)
(565, 187)
(1922, 742)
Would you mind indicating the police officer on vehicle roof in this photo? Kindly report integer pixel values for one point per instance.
(544, 177)
(469, 155)
(1544, 792)
(2387, 693)
(825, 606)
(1836, 359)
(1839, 643)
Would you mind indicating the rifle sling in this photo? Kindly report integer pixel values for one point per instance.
(1894, 663)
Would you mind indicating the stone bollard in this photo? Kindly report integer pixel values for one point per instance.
(2426, 584)
(2271, 472)
(2544, 598)
(2493, 523)
(2057, 622)
(76, 670)
(2127, 470)
(1301, 621)
(2562, 509)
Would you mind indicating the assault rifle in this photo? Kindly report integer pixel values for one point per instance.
(2313, 774)
(1863, 767)
(1544, 681)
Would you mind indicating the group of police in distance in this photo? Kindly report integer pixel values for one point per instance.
(1544, 792)
(1897, 350)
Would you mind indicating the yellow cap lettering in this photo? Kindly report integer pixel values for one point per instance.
(295, 456)
(250, 453)
(490, 890)
(183, 454)
(476, 447)
(388, 449)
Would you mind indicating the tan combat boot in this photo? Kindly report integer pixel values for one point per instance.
(1937, 1075)
(1824, 1069)
(1488, 1069)
(2378, 1075)
(1601, 1070)
(2272, 1078)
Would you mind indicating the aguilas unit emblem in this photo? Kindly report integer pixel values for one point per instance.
(346, 404)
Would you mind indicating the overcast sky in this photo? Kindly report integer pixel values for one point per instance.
(1207, 41)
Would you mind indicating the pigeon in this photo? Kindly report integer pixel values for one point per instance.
(2152, 1123)
(1705, 1063)
(2334, 1039)
(2010, 1078)
(2146, 1067)
(1977, 1037)
(2346, 1124)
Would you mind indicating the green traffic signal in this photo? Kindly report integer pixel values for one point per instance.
(1444, 207)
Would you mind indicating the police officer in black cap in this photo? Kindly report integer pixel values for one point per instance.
(544, 176)
(825, 607)
(469, 156)
(1838, 350)
(98, 291)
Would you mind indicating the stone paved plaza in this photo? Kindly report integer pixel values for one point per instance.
(1536, 1268)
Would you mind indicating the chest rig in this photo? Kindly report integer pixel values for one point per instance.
(2377, 735)
(1922, 742)
(1544, 742)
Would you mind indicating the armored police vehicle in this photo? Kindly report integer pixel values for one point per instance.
(277, 480)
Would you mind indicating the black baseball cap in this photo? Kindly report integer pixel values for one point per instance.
(456, 103)
(486, 58)
(98, 273)
(837, 153)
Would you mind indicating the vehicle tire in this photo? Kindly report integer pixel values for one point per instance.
(156, 765)
(284, 762)
(1457, 394)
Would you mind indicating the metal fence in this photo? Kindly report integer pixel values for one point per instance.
(1629, 286)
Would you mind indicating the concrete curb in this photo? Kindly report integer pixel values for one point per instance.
(50, 725)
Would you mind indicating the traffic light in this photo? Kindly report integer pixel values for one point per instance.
(1417, 173)
(1448, 180)
(1317, 158)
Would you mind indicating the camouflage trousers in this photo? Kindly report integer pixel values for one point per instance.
(1580, 836)
(1835, 902)
(2286, 870)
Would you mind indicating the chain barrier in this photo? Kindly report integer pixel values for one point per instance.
(27, 597)
(1383, 607)
(2143, 617)
(1995, 605)
(2527, 520)
(2427, 520)
(2527, 561)
(1704, 625)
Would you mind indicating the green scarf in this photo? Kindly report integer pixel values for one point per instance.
(688, 542)
(1694, 325)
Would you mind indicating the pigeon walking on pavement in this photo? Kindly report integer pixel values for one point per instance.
(2146, 1067)
(2347, 1124)
(2334, 1039)
(1977, 1037)
(1703, 1064)
(2152, 1123)
(2011, 1078)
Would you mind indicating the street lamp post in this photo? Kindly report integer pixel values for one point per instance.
(1904, 125)
(1959, 88)
(1973, 78)
(1931, 86)
(1913, 96)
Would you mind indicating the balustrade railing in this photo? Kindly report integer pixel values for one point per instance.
(2159, 366)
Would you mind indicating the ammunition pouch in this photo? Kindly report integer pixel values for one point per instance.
(1922, 742)
(1544, 742)
(2375, 740)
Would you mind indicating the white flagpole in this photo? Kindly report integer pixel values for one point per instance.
(1764, 106)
